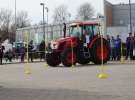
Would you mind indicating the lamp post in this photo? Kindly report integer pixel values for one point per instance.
(42, 4)
(47, 20)
(15, 18)
(130, 16)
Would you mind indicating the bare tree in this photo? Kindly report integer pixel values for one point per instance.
(5, 22)
(5, 19)
(22, 19)
(85, 12)
(60, 14)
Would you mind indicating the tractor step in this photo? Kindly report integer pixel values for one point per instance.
(86, 52)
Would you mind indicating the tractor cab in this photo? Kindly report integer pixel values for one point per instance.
(84, 31)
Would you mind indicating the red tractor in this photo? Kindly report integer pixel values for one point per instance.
(81, 45)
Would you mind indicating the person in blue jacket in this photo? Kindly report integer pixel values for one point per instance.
(118, 47)
(113, 48)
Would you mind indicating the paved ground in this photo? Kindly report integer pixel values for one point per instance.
(78, 83)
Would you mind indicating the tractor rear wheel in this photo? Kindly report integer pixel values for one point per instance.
(97, 52)
(68, 57)
(53, 59)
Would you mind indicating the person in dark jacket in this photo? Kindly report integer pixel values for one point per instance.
(129, 46)
(22, 53)
(118, 48)
(1, 52)
(30, 50)
(108, 39)
(113, 48)
(134, 47)
(42, 50)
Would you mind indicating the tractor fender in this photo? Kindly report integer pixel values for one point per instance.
(71, 43)
(90, 45)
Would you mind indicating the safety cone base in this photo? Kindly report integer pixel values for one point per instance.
(102, 76)
(122, 60)
(46, 65)
(27, 71)
(73, 66)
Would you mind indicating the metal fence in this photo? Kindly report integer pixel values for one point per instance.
(36, 34)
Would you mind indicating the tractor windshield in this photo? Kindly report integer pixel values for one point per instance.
(75, 31)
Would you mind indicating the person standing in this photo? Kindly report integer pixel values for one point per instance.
(30, 50)
(134, 47)
(22, 53)
(1, 52)
(42, 50)
(108, 39)
(118, 48)
(129, 46)
(113, 48)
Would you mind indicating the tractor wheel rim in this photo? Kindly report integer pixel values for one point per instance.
(99, 52)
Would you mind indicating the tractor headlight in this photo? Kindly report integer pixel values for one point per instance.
(54, 45)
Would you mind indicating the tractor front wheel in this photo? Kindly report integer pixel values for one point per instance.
(53, 59)
(68, 57)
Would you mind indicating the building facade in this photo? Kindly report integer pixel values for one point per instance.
(117, 19)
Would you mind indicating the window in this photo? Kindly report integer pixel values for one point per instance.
(75, 32)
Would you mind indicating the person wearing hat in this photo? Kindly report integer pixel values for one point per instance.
(1, 51)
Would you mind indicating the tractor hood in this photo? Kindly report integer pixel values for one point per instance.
(66, 39)
(61, 42)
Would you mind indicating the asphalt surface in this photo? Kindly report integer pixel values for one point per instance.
(61, 83)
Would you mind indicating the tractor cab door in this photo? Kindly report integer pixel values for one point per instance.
(89, 31)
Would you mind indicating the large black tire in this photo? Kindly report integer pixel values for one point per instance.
(66, 57)
(96, 52)
(53, 59)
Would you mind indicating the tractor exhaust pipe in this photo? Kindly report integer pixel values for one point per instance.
(64, 29)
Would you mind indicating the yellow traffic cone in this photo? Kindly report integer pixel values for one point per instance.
(102, 76)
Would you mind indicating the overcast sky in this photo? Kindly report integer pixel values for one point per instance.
(35, 10)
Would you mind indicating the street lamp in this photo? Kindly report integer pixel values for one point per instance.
(15, 18)
(130, 16)
(42, 4)
(47, 20)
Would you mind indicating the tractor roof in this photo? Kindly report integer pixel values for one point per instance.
(84, 23)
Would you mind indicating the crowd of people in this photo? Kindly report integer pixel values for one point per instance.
(116, 47)
(32, 50)
(21, 52)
